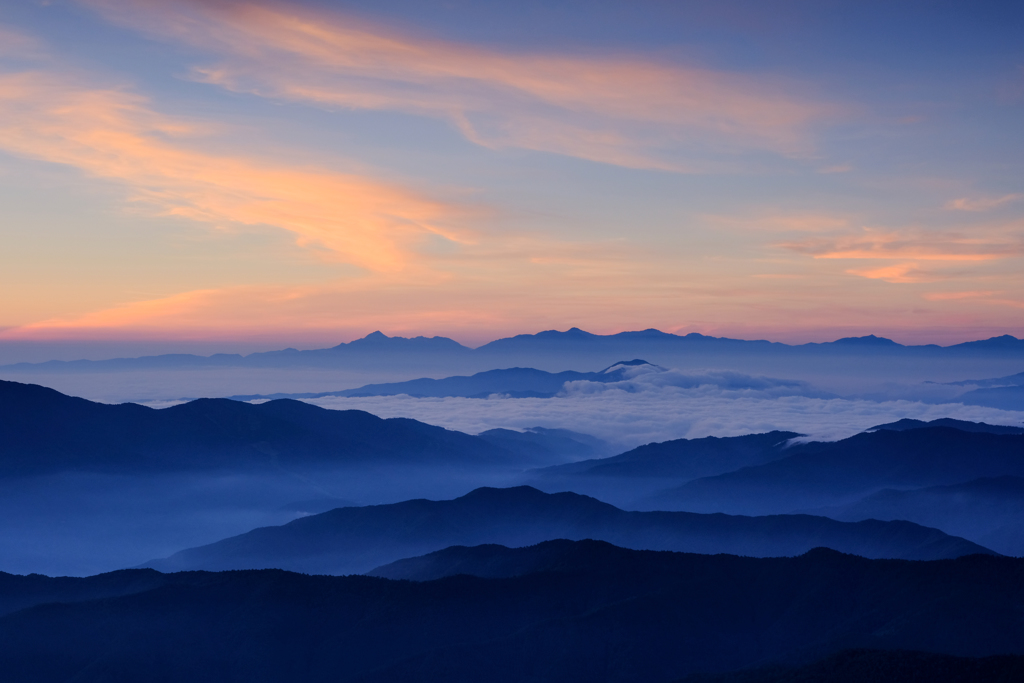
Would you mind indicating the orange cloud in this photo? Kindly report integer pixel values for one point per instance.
(981, 203)
(904, 272)
(618, 110)
(113, 135)
(913, 245)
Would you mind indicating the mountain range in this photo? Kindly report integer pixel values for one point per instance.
(563, 611)
(1005, 393)
(989, 510)
(631, 476)
(819, 474)
(45, 431)
(508, 382)
(572, 343)
(357, 539)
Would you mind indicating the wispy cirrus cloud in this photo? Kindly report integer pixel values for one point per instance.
(620, 110)
(899, 273)
(916, 245)
(996, 298)
(115, 135)
(982, 203)
(15, 44)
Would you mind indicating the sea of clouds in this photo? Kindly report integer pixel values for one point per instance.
(654, 404)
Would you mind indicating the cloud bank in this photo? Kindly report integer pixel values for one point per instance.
(632, 418)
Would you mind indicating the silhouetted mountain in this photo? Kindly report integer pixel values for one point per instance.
(822, 474)
(1003, 342)
(685, 458)
(989, 511)
(43, 430)
(881, 666)
(20, 592)
(870, 341)
(644, 470)
(511, 382)
(586, 612)
(1005, 393)
(572, 345)
(963, 425)
(355, 540)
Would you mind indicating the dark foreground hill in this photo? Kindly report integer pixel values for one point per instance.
(881, 666)
(357, 539)
(585, 611)
(44, 431)
(823, 474)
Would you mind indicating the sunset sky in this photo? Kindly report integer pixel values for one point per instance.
(303, 173)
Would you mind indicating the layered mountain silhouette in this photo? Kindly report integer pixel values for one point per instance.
(1005, 393)
(988, 510)
(510, 382)
(357, 539)
(963, 425)
(573, 343)
(629, 476)
(684, 458)
(565, 611)
(546, 445)
(821, 474)
(45, 431)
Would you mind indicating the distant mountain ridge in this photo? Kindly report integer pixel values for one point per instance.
(508, 382)
(962, 425)
(355, 540)
(377, 344)
(989, 510)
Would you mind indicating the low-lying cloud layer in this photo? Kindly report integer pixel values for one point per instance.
(717, 383)
(629, 419)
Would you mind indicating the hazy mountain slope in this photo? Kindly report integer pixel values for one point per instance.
(989, 511)
(595, 612)
(546, 446)
(823, 474)
(683, 458)
(355, 540)
(629, 477)
(1004, 398)
(1011, 380)
(45, 431)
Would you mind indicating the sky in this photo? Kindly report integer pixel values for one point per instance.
(184, 174)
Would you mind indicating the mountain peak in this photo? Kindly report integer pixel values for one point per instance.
(868, 340)
(625, 363)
